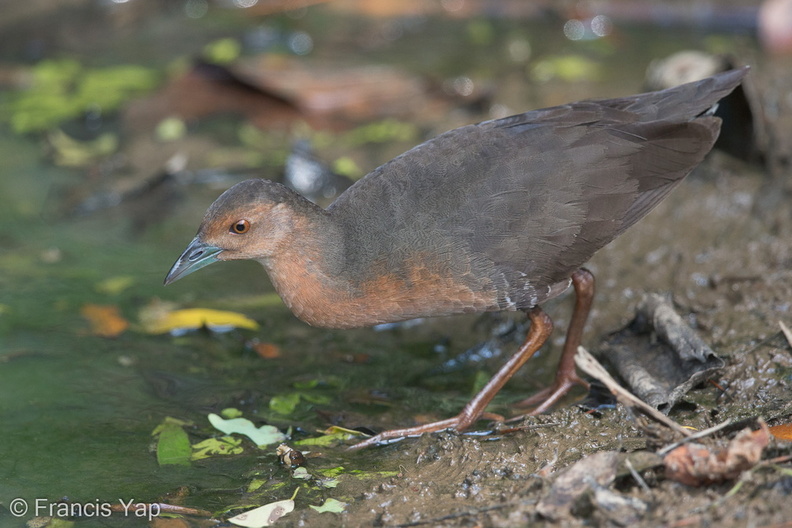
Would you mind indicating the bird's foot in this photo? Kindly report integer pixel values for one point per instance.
(548, 397)
(395, 435)
(459, 422)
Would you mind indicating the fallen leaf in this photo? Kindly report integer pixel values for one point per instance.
(782, 432)
(105, 320)
(324, 440)
(301, 473)
(231, 412)
(328, 482)
(181, 321)
(225, 445)
(332, 435)
(167, 422)
(173, 445)
(331, 506)
(267, 350)
(697, 465)
(285, 403)
(263, 515)
(264, 435)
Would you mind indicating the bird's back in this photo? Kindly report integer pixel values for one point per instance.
(509, 208)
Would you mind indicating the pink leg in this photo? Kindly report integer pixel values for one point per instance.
(566, 375)
(541, 328)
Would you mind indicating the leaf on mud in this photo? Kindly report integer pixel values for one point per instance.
(782, 432)
(173, 445)
(225, 445)
(697, 465)
(597, 469)
(263, 515)
(105, 320)
(264, 435)
(330, 505)
(178, 322)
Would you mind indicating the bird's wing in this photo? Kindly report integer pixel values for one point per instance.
(533, 196)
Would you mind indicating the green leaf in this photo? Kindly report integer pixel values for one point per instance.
(324, 440)
(331, 506)
(328, 483)
(331, 472)
(168, 422)
(230, 412)
(286, 403)
(306, 385)
(264, 435)
(255, 484)
(173, 446)
(225, 445)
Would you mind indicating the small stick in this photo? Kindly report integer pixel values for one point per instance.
(787, 332)
(694, 436)
(592, 367)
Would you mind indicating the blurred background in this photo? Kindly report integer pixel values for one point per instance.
(122, 120)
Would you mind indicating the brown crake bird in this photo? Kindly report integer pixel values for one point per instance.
(495, 216)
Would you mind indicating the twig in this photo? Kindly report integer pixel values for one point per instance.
(591, 366)
(787, 332)
(638, 478)
(694, 436)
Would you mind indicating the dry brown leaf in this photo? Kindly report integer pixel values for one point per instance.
(697, 465)
(105, 320)
(782, 432)
(267, 350)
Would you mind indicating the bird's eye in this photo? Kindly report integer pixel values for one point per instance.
(240, 227)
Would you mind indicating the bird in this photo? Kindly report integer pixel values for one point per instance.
(496, 216)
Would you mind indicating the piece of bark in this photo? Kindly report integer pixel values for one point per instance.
(659, 357)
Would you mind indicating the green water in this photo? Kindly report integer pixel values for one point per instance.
(77, 411)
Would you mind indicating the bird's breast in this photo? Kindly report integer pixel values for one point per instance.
(386, 292)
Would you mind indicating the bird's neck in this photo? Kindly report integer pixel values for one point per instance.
(304, 271)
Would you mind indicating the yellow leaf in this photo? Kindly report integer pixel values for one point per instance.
(105, 321)
(193, 318)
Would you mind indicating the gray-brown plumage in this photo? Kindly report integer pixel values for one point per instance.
(494, 216)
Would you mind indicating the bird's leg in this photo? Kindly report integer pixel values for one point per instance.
(566, 375)
(541, 328)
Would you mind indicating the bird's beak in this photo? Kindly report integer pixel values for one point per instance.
(197, 255)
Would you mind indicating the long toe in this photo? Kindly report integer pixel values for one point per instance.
(458, 422)
(548, 397)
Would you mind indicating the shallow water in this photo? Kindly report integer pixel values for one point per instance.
(78, 411)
